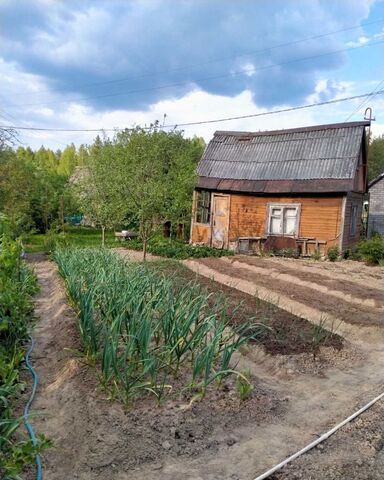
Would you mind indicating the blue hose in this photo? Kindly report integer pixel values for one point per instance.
(28, 426)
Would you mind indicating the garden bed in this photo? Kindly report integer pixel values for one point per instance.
(287, 334)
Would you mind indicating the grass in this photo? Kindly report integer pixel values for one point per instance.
(145, 335)
(73, 237)
(91, 237)
(171, 248)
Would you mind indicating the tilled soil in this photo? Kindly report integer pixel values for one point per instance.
(326, 278)
(96, 438)
(286, 333)
(217, 438)
(349, 270)
(349, 313)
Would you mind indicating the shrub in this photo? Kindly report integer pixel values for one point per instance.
(17, 285)
(177, 249)
(372, 250)
(316, 255)
(333, 253)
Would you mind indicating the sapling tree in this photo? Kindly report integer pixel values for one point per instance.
(142, 178)
(156, 174)
(95, 187)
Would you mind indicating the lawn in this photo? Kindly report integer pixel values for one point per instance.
(73, 236)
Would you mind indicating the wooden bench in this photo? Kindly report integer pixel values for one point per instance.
(305, 241)
(244, 244)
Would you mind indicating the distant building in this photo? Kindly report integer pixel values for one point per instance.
(376, 206)
(300, 188)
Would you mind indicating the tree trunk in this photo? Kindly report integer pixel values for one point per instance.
(102, 236)
(180, 231)
(145, 241)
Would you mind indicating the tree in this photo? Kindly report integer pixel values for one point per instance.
(376, 157)
(155, 172)
(68, 161)
(16, 186)
(95, 188)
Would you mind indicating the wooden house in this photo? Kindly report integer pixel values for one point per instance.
(301, 187)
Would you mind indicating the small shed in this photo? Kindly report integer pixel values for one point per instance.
(302, 187)
(376, 206)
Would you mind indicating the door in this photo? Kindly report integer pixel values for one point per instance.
(220, 221)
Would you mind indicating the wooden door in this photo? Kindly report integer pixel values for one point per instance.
(220, 221)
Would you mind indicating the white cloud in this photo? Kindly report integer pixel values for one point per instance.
(195, 106)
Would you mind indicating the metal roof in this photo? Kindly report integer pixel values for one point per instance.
(310, 153)
(375, 180)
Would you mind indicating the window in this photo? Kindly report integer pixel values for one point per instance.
(203, 206)
(353, 224)
(283, 220)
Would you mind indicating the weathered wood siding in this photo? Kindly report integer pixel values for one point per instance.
(324, 218)
(319, 218)
(349, 241)
(201, 234)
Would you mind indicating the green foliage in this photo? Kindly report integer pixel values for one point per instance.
(321, 333)
(316, 255)
(17, 285)
(287, 252)
(144, 175)
(244, 385)
(372, 250)
(143, 331)
(53, 239)
(73, 236)
(376, 157)
(333, 253)
(33, 190)
(176, 249)
(156, 176)
(95, 188)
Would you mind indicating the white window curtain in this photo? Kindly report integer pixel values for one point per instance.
(283, 220)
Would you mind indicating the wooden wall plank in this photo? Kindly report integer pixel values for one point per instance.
(320, 216)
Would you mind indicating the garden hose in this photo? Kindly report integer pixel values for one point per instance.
(319, 440)
(28, 426)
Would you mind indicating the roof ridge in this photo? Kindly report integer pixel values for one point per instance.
(375, 180)
(364, 123)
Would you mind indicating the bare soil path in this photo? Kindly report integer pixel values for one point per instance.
(218, 438)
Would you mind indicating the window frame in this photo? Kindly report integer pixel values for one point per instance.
(200, 206)
(283, 207)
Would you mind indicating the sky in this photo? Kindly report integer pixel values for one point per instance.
(118, 64)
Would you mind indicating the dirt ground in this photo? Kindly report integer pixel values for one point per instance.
(220, 437)
(354, 452)
(306, 292)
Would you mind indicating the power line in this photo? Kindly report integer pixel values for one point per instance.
(232, 74)
(186, 124)
(185, 67)
(370, 96)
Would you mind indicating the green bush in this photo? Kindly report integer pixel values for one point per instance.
(372, 250)
(17, 285)
(176, 249)
(333, 253)
(316, 255)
